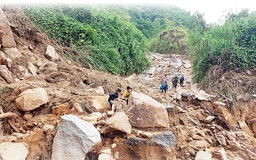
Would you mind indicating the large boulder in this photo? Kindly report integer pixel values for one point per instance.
(145, 112)
(118, 122)
(13, 151)
(6, 36)
(74, 139)
(31, 99)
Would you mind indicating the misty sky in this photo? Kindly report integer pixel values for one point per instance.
(212, 9)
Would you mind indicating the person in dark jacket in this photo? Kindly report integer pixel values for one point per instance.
(112, 97)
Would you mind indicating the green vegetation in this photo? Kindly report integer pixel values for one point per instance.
(104, 36)
(166, 27)
(116, 38)
(230, 46)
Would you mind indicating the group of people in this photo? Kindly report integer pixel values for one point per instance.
(118, 95)
(177, 78)
(126, 95)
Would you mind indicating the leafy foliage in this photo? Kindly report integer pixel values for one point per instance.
(231, 46)
(105, 37)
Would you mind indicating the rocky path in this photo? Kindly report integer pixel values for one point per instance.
(201, 124)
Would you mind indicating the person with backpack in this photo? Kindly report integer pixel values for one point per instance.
(164, 84)
(182, 80)
(112, 97)
(175, 82)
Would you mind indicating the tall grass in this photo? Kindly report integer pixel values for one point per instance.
(230, 46)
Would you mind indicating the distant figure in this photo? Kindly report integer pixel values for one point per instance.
(112, 97)
(182, 80)
(175, 82)
(127, 94)
(164, 84)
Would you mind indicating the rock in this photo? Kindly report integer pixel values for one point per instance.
(11, 139)
(2, 61)
(197, 145)
(74, 139)
(8, 62)
(12, 53)
(163, 139)
(2, 55)
(209, 119)
(31, 99)
(200, 94)
(93, 117)
(221, 139)
(110, 113)
(169, 107)
(113, 145)
(78, 107)
(254, 95)
(6, 74)
(99, 90)
(18, 135)
(27, 116)
(22, 72)
(32, 68)
(6, 36)
(118, 122)
(51, 53)
(203, 155)
(100, 103)
(13, 151)
(186, 63)
(35, 136)
(48, 127)
(186, 96)
(220, 154)
(130, 78)
(218, 103)
(61, 109)
(105, 154)
(145, 112)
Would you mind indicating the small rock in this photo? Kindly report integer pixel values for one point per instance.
(27, 116)
(219, 103)
(203, 155)
(18, 135)
(99, 90)
(78, 107)
(113, 145)
(31, 99)
(209, 119)
(105, 154)
(32, 68)
(48, 127)
(110, 113)
(13, 151)
(11, 139)
(51, 54)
